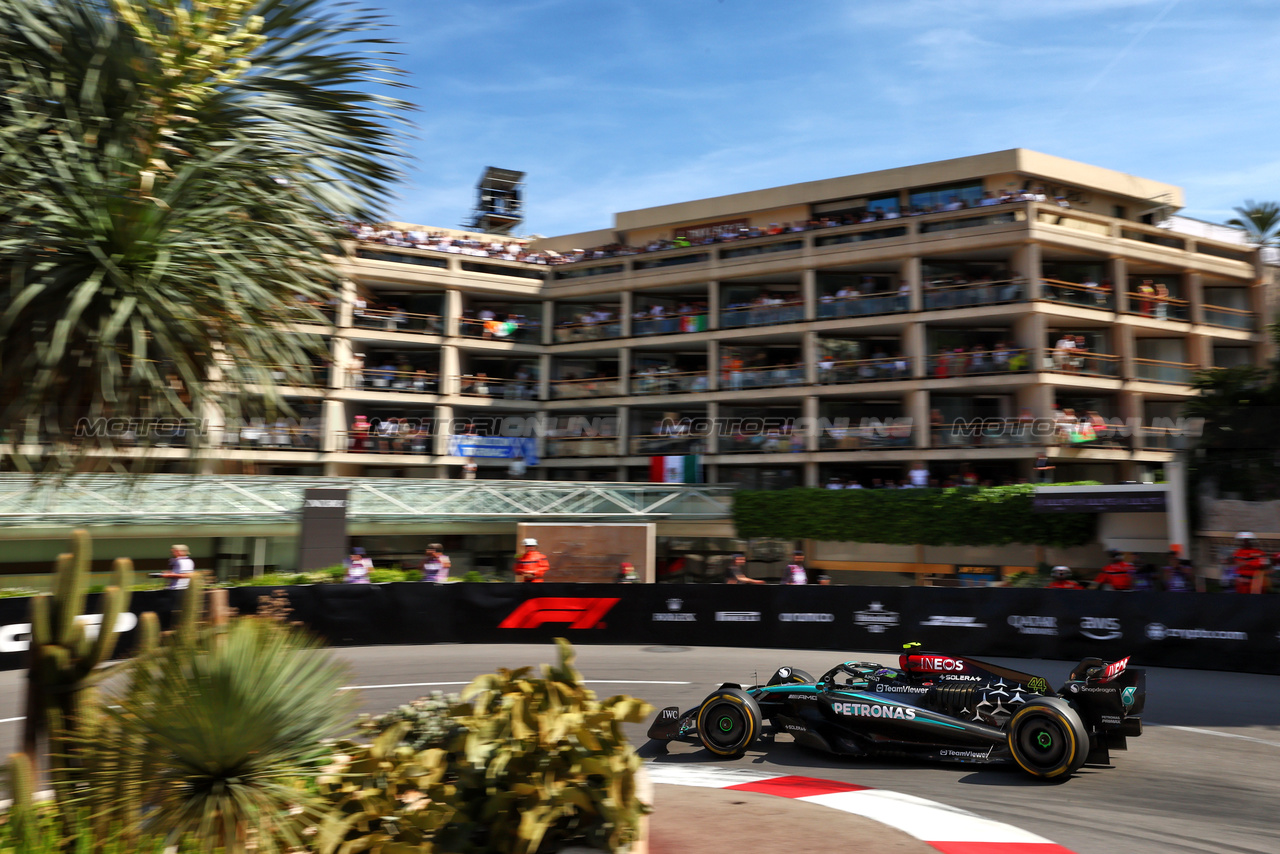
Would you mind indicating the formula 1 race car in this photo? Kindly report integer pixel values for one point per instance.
(953, 709)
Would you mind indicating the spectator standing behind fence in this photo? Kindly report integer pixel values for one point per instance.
(736, 571)
(1177, 573)
(358, 567)
(436, 564)
(1117, 575)
(1062, 579)
(627, 574)
(531, 565)
(1250, 574)
(181, 568)
(795, 572)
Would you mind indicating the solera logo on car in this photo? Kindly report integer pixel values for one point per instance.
(936, 664)
(1100, 628)
(16, 637)
(578, 613)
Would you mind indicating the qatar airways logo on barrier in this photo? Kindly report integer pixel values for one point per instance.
(579, 613)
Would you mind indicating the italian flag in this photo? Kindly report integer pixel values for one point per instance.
(682, 469)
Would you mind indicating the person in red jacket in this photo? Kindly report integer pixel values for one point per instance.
(1062, 579)
(1117, 575)
(531, 565)
(1249, 560)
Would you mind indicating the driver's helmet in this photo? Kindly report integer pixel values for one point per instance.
(885, 673)
(1061, 572)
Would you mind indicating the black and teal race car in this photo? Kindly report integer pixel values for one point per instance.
(933, 706)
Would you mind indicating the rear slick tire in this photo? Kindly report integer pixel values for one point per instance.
(1048, 739)
(728, 722)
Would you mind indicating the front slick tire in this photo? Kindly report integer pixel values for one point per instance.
(728, 722)
(1048, 739)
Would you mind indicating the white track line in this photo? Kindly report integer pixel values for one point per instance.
(1219, 734)
(11, 720)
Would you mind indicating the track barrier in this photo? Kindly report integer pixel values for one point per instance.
(1212, 632)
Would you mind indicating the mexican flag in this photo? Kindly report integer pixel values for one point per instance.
(682, 469)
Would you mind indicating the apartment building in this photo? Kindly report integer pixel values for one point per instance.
(848, 328)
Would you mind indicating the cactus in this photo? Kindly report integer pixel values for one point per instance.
(64, 662)
(22, 784)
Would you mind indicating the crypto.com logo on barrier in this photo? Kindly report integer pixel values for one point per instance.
(579, 613)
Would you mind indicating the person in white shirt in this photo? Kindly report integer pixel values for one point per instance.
(358, 567)
(181, 568)
(1062, 352)
(919, 475)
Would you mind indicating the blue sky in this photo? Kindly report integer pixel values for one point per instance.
(611, 105)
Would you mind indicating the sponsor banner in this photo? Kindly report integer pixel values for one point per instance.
(1210, 631)
(494, 447)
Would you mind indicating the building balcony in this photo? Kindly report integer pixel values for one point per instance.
(1160, 308)
(738, 317)
(381, 379)
(864, 305)
(1231, 318)
(669, 324)
(937, 297)
(1154, 370)
(483, 386)
(387, 437)
(1082, 362)
(666, 444)
(978, 363)
(583, 446)
(669, 382)
(396, 320)
(573, 332)
(570, 389)
(1077, 295)
(864, 370)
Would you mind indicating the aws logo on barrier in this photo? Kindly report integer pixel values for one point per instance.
(578, 613)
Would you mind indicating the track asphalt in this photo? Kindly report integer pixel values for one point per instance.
(1202, 779)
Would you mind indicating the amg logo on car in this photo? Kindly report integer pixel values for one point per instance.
(935, 664)
(801, 697)
(1100, 628)
(579, 613)
(867, 710)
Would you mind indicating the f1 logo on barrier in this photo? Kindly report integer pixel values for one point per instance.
(17, 636)
(578, 613)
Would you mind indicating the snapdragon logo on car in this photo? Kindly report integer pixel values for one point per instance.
(869, 710)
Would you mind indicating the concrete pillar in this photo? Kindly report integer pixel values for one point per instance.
(1193, 293)
(342, 353)
(917, 405)
(1132, 413)
(452, 312)
(809, 411)
(713, 440)
(1031, 332)
(624, 370)
(347, 291)
(440, 441)
(713, 304)
(713, 365)
(1175, 475)
(626, 305)
(809, 293)
(1026, 263)
(1038, 398)
(910, 271)
(544, 377)
(1120, 283)
(915, 348)
(548, 321)
(809, 356)
(1200, 350)
(810, 473)
(623, 429)
(333, 429)
(1126, 348)
(450, 370)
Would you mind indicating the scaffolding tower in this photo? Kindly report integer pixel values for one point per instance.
(499, 201)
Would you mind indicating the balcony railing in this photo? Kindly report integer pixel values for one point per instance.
(583, 446)
(762, 315)
(1154, 370)
(1233, 318)
(381, 379)
(669, 382)
(270, 437)
(394, 320)
(770, 377)
(864, 438)
(669, 324)
(978, 363)
(1161, 308)
(569, 332)
(864, 370)
(1084, 362)
(863, 305)
(382, 439)
(521, 331)
(303, 376)
(654, 444)
(587, 387)
(987, 433)
(496, 387)
(774, 442)
(973, 293)
(1070, 293)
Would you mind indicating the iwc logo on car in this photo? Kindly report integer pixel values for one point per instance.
(737, 616)
(1101, 628)
(1034, 625)
(1159, 632)
(876, 619)
(673, 613)
(807, 617)
(867, 710)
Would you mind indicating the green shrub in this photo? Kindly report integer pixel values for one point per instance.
(965, 516)
(429, 720)
(535, 764)
(474, 575)
(384, 576)
(17, 592)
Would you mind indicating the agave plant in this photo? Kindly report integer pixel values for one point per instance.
(169, 174)
(229, 725)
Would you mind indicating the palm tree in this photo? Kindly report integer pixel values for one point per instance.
(171, 173)
(1260, 220)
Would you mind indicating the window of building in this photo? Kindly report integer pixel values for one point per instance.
(966, 194)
